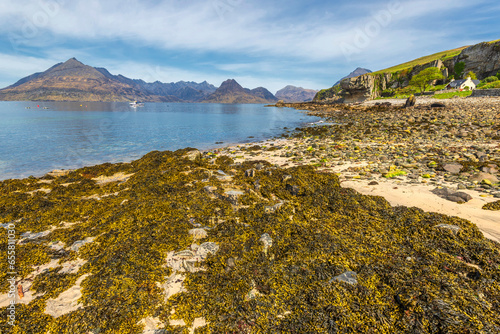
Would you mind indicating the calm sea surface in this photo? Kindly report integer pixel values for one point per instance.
(70, 135)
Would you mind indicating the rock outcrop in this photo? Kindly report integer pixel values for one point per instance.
(482, 59)
(358, 89)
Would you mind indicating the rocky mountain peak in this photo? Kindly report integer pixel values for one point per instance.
(230, 85)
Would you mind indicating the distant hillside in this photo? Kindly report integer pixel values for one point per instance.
(356, 73)
(295, 94)
(183, 90)
(74, 81)
(231, 92)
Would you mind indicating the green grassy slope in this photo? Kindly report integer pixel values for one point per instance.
(444, 55)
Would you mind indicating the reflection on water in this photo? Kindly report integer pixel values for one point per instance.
(70, 135)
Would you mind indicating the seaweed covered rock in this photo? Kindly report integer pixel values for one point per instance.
(324, 259)
(493, 206)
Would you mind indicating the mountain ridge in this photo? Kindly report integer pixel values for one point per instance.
(231, 91)
(291, 94)
(74, 81)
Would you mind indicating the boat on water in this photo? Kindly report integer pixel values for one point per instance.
(136, 104)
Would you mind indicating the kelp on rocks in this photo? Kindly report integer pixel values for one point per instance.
(493, 206)
(413, 275)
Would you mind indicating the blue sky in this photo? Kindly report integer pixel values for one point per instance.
(309, 43)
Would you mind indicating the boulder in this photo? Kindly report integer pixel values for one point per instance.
(453, 228)
(458, 197)
(267, 241)
(349, 277)
(280, 104)
(192, 155)
(232, 196)
(490, 169)
(410, 102)
(198, 233)
(358, 89)
(479, 177)
(438, 105)
(453, 168)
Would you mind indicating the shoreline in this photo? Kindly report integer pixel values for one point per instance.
(275, 221)
(401, 190)
(394, 190)
(50, 166)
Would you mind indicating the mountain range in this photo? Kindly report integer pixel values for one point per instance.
(295, 94)
(232, 92)
(75, 81)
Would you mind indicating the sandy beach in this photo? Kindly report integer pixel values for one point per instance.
(247, 223)
(401, 190)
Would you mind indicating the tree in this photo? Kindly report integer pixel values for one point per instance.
(425, 78)
(459, 69)
(498, 75)
(472, 75)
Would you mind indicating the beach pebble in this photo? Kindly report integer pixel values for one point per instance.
(198, 233)
(267, 241)
(453, 228)
(349, 277)
(453, 168)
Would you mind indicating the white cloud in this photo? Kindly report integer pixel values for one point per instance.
(234, 26)
(301, 46)
(13, 68)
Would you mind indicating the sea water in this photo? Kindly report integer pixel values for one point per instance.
(37, 137)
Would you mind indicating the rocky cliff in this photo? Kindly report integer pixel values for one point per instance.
(358, 89)
(483, 59)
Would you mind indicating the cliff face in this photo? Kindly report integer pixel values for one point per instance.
(358, 89)
(482, 59)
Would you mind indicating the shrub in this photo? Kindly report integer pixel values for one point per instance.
(472, 75)
(459, 69)
(388, 93)
(490, 79)
(491, 85)
(498, 75)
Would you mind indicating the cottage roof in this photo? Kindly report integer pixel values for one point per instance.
(458, 83)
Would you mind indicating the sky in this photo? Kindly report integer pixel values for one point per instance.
(307, 43)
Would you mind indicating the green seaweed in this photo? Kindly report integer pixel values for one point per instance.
(413, 277)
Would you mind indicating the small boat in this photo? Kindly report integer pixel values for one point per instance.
(136, 104)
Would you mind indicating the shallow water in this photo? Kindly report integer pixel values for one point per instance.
(70, 135)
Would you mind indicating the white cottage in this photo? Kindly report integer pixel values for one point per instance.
(463, 84)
